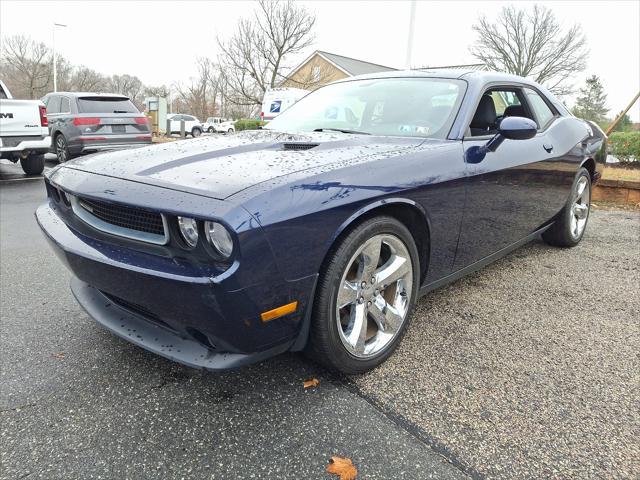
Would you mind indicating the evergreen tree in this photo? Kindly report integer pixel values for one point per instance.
(591, 103)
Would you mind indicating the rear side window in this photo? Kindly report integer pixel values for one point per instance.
(541, 110)
(502, 99)
(3, 94)
(106, 105)
(64, 105)
(53, 105)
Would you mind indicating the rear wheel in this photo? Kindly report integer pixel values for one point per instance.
(364, 298)
(569, 227)
(210, 130)
(62, 149)
(32, 164)
(196, 132)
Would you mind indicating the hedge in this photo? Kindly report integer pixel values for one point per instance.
(625, 146)
(248, 124)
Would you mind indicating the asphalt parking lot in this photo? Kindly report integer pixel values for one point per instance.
(528, 369)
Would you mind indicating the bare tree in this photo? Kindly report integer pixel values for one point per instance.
(156, 91)
(531, 43)
(200, 96)
(27, 68)
(254, 58)
(128, 85)
(85, 79)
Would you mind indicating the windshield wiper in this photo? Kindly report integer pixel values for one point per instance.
(342, 130)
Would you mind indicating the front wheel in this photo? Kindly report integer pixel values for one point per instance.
(567, 230)
(210, 130)
(230, 130)
(32, 164)
(365, 295)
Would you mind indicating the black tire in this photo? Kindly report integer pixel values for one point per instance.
(196, 132)
(33, 164)
(230, 130)
(325, 345)
(562, 232)
(62, 149)
(210, 130)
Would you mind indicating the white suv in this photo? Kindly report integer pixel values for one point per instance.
(217, 124)
(192, 126)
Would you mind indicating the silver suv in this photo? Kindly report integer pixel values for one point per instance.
(89, 122)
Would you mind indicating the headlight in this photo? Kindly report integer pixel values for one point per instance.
(188, 230)
(219, 238)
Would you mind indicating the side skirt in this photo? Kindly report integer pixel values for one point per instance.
(474, 267)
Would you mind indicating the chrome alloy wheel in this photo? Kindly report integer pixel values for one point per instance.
(373, 297)
(61, 149)
(580, 207)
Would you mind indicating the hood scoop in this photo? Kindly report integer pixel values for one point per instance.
(299, 146)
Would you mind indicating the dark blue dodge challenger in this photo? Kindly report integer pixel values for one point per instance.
(319, 232)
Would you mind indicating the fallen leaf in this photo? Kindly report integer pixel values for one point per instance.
(343, 467)
(314, 382)
(59, 356)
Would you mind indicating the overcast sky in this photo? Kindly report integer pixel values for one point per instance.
(158, 41)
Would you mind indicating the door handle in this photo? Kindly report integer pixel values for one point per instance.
(548, 147)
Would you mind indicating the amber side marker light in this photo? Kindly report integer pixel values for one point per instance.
(279, 312)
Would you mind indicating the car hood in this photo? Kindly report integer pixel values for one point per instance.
(219, 167)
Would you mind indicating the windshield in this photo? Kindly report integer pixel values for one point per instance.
(417, 107)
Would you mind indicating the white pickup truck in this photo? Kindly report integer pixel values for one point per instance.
(24, 131)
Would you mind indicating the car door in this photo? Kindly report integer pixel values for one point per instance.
(55, 117)
(175, 123)
(189, 123)
(52, 103)
(64, 120)
(518, 188)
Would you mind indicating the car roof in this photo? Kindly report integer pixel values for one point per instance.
(469, 75)
(90, 94)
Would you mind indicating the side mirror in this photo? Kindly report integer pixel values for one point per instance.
(511, 128)
(517, 128)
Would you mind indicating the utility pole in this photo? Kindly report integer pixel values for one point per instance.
(622, 114)
(55, 67)
(412, 21)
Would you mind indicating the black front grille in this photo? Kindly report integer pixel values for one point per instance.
(299, 146)
(124, 216)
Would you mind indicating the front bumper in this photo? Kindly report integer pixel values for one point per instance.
(164, 306)
(157, 339)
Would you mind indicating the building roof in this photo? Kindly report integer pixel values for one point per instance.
(348, 65)
(353, 66)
